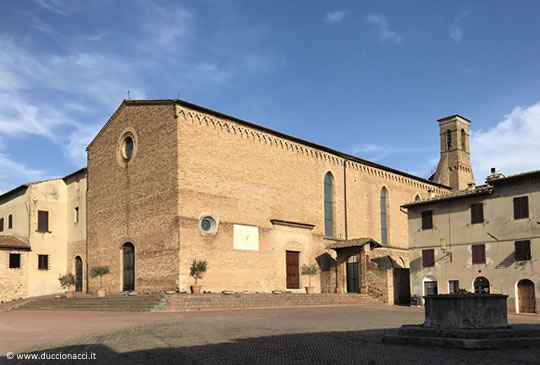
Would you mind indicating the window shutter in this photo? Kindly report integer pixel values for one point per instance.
(478, 254)
(524, 207)
(428, 258)
(482, 254)
(477, 213)
(427, 219)
(522, 250)
(521, 207)
(1, 224)
(43, 221)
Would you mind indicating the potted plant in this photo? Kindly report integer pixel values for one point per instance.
(198, 268)
(99, 271)
(67, 282)
(309, 270)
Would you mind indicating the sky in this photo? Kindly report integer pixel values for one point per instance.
(369, 78)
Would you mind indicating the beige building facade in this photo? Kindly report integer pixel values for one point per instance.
(42, 236)
(170, 182)
(483, 239)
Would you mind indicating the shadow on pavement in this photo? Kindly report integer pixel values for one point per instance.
(347, 347)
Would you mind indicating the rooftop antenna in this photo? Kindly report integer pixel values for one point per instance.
(129, 95)
(178, 96)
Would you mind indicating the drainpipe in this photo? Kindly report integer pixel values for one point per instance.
(86, 229)
(345, 196)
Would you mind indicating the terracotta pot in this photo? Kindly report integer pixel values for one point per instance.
(101, 293)
(70, 293)
(196, 289)
(309, 289)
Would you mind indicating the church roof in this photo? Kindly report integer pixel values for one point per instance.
(189, 105)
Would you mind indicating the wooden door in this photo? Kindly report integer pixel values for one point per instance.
(129, 267)
(526, 297)
(293, 275)
(78, 274)
(353, 277)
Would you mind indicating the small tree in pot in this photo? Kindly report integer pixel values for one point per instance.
(310, 270)
(198, 269)
(67, 282)
(99, 271)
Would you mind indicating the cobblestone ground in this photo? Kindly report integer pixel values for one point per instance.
(339, 335)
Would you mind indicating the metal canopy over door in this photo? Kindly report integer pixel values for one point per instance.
(353, 277)
(78, 274)
(526, 298)
(129, 266)
(292, 263)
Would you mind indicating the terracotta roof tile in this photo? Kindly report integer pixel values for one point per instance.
(459, 194)
(356, 242)
(12, 242)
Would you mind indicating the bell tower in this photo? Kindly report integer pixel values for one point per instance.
(454, 167)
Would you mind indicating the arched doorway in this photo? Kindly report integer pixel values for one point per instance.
(481, 285)
(128, 261)
(526, 297)
(353, 275)
(78, 274)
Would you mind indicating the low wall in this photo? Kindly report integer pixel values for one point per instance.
(466, 311)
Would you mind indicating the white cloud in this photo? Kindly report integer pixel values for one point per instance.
(385, 34)
(165, 26)
(12, 172)
(511, 146)
(336, 16)
(456, 34)
(55, 6)
(456, 30)
(67, 91)
(76, 80)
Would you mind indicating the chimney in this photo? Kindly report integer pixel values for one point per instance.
(494, 175)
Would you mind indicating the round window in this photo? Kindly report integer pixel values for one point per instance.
(128, 147)
(208, 225)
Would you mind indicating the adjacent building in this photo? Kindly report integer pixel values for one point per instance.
(482, 239)
(42, 236)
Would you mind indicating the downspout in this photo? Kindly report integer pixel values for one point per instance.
(86, 227)
(345, 196)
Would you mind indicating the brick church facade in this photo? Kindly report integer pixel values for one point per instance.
(170, 182)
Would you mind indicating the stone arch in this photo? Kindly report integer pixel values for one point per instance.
(481, 285)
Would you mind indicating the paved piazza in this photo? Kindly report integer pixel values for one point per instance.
(329, 335)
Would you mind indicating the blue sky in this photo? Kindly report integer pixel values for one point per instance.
(365, 77)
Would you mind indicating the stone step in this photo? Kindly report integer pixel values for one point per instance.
(128, 304)
(183, 302)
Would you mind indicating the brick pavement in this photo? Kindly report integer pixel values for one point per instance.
(309, 335)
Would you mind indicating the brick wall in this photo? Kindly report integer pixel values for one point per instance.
(137, 201)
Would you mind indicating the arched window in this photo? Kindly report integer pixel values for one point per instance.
(448, 140)
(417, 198)
(463, 140)
(384, 217)
(329, 205)
(481, 285)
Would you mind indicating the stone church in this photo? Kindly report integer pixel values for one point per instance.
(170, 182)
